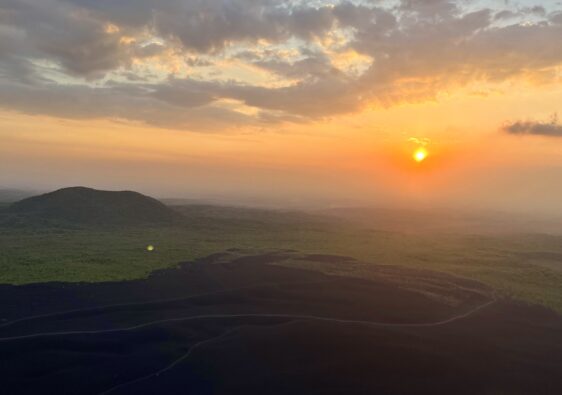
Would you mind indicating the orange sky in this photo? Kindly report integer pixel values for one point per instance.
(363, 157)
(287, 117)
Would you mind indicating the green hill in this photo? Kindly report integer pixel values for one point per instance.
(86, 206)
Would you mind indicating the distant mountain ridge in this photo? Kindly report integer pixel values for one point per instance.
(87, 206)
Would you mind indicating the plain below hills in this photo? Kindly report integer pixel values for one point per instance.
(84, 235)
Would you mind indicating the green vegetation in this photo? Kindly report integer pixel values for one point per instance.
(86, 206)
(40, 253)
(527, 267)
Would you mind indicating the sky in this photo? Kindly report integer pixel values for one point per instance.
(287, 102)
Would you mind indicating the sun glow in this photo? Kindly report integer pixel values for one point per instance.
(420, 155)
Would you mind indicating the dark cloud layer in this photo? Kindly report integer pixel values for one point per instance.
(549, 129)
(63, 57)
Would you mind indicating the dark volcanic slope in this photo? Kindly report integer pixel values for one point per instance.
(227, 325)
(87, 206)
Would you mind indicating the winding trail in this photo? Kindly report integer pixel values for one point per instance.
(171, 365)
(257, 315)
(202, 343)
(288, 316)
(153, 302)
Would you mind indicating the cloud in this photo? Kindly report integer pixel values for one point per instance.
(313, 66)
(67, 35)
(208, 25)
(551, 129)
(186, 58)
(122, 102)
(423, 141)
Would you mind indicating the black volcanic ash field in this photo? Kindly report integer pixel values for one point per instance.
(238, 325)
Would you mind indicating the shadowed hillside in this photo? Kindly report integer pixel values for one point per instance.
(86, 206)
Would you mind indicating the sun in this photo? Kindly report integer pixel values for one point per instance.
(420, 155)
